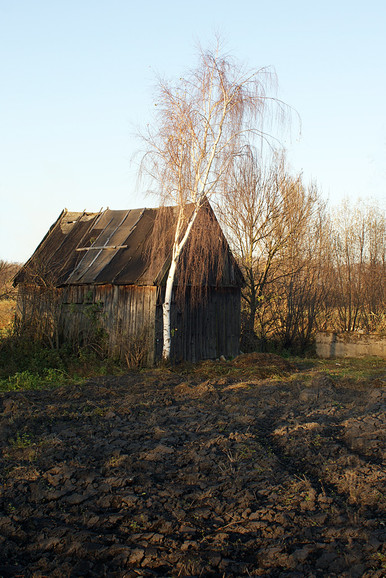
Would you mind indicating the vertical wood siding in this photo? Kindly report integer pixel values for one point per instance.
(204, 331)
(130, 314)
(124, 312)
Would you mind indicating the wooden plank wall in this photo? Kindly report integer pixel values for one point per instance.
(126, 313)
(132, 317)
(204, 331)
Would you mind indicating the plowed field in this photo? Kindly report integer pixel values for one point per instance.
(259, 469)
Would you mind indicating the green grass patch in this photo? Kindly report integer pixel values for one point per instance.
(28, 365)
(28, 380)
(356, 369)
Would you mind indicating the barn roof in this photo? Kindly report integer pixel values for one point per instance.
(107, 247)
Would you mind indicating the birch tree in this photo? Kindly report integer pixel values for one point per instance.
(203, 122)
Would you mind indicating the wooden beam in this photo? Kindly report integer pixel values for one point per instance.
(103, 247)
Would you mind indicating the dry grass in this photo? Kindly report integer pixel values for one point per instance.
(7, 313)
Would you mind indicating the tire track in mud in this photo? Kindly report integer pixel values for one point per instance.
(320, 449)
(303, 457)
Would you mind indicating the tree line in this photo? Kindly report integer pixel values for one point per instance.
(307, 267)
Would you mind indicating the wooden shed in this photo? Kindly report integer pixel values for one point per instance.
(102, 275)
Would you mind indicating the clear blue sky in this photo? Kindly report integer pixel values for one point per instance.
(77, 79)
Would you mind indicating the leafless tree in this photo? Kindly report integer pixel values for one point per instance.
(268, 215)
(7, 273)
(359, 266)
(203, 124)
(303, 288)
(38, 303)
(7, 292)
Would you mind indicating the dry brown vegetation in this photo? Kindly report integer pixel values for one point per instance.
(7, 293)
(7, 313)
(260, 467)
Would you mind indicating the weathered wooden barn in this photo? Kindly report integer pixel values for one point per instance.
(104, 274)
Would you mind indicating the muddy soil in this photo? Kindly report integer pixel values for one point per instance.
(161, 473)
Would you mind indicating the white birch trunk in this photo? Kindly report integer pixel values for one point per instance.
(176, 254)
(166, 310)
